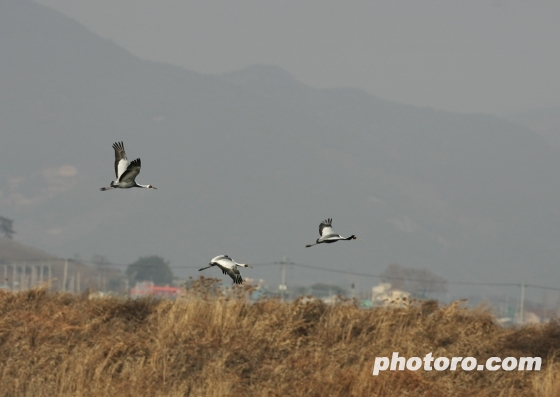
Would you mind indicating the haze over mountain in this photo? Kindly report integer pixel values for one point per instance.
(464, 56)
(545, 122)
(248, 163)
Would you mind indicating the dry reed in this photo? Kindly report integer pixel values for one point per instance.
(215, 344)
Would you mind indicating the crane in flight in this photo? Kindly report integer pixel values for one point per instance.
(125, 171)
(327, 234)
(228, 266)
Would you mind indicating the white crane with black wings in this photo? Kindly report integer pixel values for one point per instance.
(228, 266)
(327, 234)
(125, 171)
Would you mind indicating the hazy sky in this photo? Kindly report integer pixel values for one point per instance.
(495, 57)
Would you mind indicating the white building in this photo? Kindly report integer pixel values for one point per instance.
(384, 295)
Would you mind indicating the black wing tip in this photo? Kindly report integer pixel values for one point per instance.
(136, 162)
(118, 145)
(327, 222)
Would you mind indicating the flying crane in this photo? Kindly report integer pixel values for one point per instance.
(327, 234)
(228, 266)
(125, 171)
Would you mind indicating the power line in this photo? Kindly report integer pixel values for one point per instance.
(488, 284)
(305, 266)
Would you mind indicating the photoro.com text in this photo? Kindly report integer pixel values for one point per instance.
(429, 363)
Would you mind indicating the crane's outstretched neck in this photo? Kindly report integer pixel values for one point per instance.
(244, 265)
(145, 186)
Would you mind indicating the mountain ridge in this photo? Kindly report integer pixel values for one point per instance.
(249, 162)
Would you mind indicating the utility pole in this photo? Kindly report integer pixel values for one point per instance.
(65, 275)
(543, 317)
(14, 275)
(33, 276)
(282, 287)
(22, 279)
(522, 305)
(50, 275)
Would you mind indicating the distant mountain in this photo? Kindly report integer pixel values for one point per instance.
(248, 163)
(545, 122)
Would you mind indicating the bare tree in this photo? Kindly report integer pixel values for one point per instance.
(151, 268)
(6, 227)
(419, 282)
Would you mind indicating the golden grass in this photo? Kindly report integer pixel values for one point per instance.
(55, 344)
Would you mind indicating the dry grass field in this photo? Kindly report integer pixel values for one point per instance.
(55, 344)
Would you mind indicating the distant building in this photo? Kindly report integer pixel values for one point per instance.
(383, 294)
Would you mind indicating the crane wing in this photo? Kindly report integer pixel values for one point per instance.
(222, 268)
(223, 260)
(121, 162)
(325, 228)
(224, 257)
(235, 276)
(131, 172)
